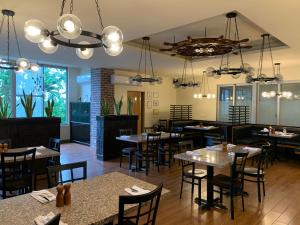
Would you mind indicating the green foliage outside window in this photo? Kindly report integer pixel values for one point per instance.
(5, 85)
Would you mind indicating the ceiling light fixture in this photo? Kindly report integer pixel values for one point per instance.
(69, 27)
(21, 64)
(225, 67)
(261, 77)
(139, 78)
(204, 89)
(183, 81)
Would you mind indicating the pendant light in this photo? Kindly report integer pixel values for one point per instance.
(139, 78)
(183, 81)
(69, 28)
(225, 68)
(21, 64)
(204, 89)
(261, 77)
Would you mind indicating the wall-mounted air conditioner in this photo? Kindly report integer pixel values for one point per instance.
(117, 79)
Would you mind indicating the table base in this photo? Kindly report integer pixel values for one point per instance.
(216, 204)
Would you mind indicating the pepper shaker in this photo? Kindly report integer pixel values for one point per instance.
(60, 196)
(67, 194)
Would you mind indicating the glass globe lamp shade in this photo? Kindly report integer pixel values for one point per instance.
(48, 46)
(248, 79)
(199, 95)
(235, 76)
(34, 67)
(159, 80)
(114, 49)
(279, 77)
(217, 76)
(195, 96)
(213, 96)
(272, 94)
(84, 53)
(210, 71)
(23, 63)
(69, 26)
(34, 31)
(111, 35)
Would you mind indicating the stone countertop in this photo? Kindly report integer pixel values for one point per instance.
(40, 152)
(94, 201)
(211, 157)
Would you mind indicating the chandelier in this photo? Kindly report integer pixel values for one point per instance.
(69, 27)
(261, 77)
(204, 89)
(204, 47)
(152, 79)
(225, 68)
(21, 64)
(183, 81)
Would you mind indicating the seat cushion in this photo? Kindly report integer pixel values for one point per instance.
(199, 173)
(252, 171)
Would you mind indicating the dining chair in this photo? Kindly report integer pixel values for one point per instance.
(151, 152)
(233, 183)
(54, 144)
(147, 207)
(55, 173)
(55, 220)
(257, 174)
(17, 169)
(128, 152)
(189, 173)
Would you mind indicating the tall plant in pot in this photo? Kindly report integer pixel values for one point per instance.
(28, 104)
(49, 108)
(4, 109)
(130, 106)
(118, 105)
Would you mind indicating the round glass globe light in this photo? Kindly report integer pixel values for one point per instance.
(69, 26)
(23, 63)
(34, 67)
(114, 49)
(48, 46)
(111, 35)
(210, 71)
(34, 31)
(235, 76)
(84, 53)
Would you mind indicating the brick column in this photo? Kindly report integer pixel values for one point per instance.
(101, 88)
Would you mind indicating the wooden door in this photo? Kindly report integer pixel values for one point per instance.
(138, 107)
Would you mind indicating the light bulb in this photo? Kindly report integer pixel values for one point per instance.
(195, 96)
(213, 96)
(114, 49)
(48, 46)
(34, 67)
(264, 94)
(23, 63)
(69, 26)
(111, 35)
(199, 95)
(34, 31)
(272, 94)
(208, 95)
(84, 53)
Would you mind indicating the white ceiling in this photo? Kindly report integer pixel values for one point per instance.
(138, 18)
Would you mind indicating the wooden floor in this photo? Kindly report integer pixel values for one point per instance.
(280, 206)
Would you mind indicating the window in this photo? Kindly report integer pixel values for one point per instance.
(6, 85)
(55, 82)
(225, 100)
(46, 84)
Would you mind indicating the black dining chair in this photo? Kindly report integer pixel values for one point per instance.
(17, 169)
(189, 173)
(257, 174)
(55, 173)
(55, 220)
(147, 207)
(128, 152)
(234, 183)
(151, 152)
(54, 144)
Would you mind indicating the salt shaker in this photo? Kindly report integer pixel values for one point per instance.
(60, 196)
(67, 194)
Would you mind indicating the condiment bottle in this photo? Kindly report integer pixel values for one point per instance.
(5, 147)
(60, 196)
(1, 147)
(67, 194)
(224, 146)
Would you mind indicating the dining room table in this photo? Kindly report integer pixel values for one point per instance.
(93, 201)
(214, 157)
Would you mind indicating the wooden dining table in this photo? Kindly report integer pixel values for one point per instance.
(213, 157)
(94, 201)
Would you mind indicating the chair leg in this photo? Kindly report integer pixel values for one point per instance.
(258, 189)
(181, 187)
(193, 183)
(121, 157)
(147, 165)
(130, 161)
(264, 190)
(231, 206)
(199, 189)
(243, 204)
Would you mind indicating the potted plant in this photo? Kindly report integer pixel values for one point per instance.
(130, 106)
(49, 108)
(28, 104)
(4, 109)
(105, 107)
(118, 105)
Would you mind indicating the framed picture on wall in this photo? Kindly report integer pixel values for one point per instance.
(149, 95)
(149, 104)
(155, 103)
(155, 94)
